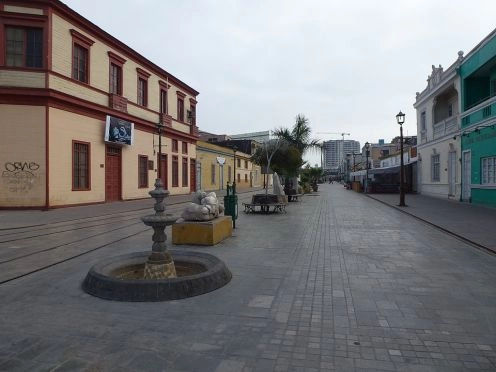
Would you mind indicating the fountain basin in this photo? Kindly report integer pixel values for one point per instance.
(119, 278)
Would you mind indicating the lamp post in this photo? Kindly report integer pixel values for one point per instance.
(367, 153)
(400, 118)
(160, 127)
(354, 166)
(234, 148)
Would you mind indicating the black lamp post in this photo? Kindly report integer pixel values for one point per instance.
(400, 118)
(234, 148)
(354, 166)
(367, 154)
(160, 127)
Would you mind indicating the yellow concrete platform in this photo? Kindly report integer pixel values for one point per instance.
(202, 233)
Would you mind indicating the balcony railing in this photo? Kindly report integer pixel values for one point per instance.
(481, 112)
(445, 126)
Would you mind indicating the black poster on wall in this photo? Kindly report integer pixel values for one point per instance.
(119, 131)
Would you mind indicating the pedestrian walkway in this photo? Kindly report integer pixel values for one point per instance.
(341, 282)
(476, 224)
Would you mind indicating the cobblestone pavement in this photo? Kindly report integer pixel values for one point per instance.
(340, 282)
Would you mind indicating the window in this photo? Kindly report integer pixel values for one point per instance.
(489, 170)
(239, 162)
(185, 171)
(175, 147)
(175, 171)
(143, 76)
(163, 101)
(435, 164)
(246, 177)
(422, 121)
(80, 63)
(185, 147)
(24, 47)
(180, 109)
(246, 164)
(142, 90)
(239, 178)
(193, 111)
(450, 109)
(142, 171)
(80, 165)
(212, 174)
(115, 78)
(80, 56)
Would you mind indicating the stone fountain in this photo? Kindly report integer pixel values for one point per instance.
(160, 276)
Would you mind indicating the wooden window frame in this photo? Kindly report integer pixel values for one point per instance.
(180, 109)
(142, 87)
(75, 170)
(164, 105)
(175, 145)
(185, 173)
(143, 171)
(175, 171)
(184, 147)
(118, 62)
(213, 175)
(436, 168)
(81, 41)
(24, 28)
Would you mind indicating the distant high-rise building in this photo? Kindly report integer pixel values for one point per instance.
(334, 152)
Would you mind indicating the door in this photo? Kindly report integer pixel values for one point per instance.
(162, 164)
(113, 173)
(192, 175)
(452, 173)
(466, 176)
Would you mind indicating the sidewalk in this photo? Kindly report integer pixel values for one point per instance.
(473, 223)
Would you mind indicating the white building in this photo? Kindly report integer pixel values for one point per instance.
(438, 128)
(335, 151)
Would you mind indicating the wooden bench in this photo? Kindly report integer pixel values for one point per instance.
(266, 204)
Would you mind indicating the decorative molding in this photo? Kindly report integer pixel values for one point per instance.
(82, 39)
(114, 58)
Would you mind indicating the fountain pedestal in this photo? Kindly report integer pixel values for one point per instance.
(160, 264)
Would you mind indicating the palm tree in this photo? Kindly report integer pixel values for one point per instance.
(299, 136)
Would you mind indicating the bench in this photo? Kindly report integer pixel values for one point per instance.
(266, 204)
(264, 208)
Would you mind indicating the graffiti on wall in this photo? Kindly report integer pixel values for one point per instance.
(20, 177)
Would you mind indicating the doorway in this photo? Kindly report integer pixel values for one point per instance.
(466, 176)
(192, 175)
(452, 173)
(162, 163)
(113, 173)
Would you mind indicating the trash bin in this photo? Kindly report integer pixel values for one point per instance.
(231, 203)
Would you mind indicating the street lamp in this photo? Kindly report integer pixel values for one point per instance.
(367, 153)
(400, 118)
(234, 148)
(160, 127)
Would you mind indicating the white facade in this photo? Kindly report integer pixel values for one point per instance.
(438, 128)
(335, 151)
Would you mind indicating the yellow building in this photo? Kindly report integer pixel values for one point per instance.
(216, 167)
(79, 112)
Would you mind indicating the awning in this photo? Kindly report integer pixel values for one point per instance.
(388, 170)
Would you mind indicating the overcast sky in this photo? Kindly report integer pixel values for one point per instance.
(348, 66)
